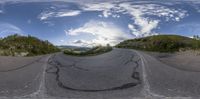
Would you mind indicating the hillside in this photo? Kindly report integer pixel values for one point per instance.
(161, 43)
(16, 45)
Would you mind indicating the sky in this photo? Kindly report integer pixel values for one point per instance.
(98, 22)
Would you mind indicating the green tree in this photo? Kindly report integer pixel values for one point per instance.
(196, 37)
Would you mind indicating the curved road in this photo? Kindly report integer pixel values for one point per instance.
(110, 75)
(119, 74)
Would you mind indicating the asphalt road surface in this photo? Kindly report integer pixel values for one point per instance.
(110, 76)
(21, 77)
(119, 74)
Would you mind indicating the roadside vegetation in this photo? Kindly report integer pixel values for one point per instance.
(162, 43)
(89, 52)
(16, 45)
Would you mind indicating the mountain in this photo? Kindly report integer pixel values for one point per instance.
(161, 43)
(16, 45)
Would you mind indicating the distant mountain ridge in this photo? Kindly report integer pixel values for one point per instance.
(161, 43)
(17, 45)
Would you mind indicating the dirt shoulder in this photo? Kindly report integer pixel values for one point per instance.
(188, 60)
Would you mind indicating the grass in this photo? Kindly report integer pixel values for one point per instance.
(91, 52)
(162, 43)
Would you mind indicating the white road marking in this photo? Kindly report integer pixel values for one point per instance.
(148, 92)
(42, 89)
(40, 93)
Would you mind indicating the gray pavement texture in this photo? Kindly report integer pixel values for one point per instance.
(119, 74)
(170, 81)
(111, 75)
(20, 78)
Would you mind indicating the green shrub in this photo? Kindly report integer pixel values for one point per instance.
(93, 51)
(161, 43)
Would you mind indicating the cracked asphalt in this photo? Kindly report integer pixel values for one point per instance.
(109, 75)
(119, 74)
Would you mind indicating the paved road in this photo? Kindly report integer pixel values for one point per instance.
(169, 81)
(21, 76)
(113, 75)
(119, 74)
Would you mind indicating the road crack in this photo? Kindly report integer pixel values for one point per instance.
(135, 73)
(56, 66)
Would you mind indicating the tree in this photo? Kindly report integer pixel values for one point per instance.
(196, 37)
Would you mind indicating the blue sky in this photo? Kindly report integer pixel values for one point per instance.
(89, 23)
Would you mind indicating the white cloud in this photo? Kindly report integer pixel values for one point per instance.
(45, 15)
(139, 14)
(98, 6)
(68, 13)
(9, 29)
(133, 30)
(103, 32)
(105, 7)
(49, 14)
(140, 17)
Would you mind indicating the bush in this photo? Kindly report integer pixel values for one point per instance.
(93, 51)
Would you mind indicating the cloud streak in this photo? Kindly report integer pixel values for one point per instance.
(51, 14)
